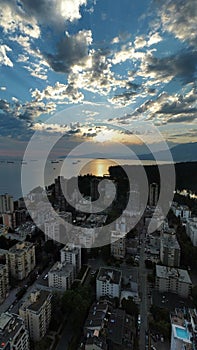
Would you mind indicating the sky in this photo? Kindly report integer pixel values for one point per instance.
(118, 62)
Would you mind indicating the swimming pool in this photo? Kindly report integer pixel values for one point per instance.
(182, 333)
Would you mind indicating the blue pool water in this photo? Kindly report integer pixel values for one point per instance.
(182, 333)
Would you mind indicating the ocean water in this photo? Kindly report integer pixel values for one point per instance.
(10, 172)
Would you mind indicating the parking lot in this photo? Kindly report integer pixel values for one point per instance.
(169, 301)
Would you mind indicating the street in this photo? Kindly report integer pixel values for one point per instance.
(143, 295)
(9, 300)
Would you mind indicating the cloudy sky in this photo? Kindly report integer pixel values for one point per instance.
(130, 55)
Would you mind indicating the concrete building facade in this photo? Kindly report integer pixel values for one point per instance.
(6, 203)
(191, 230)
(118, 246)
(71, 254)
(108, 283)
(36, 313)
(153, 194)
(21, 259)
(170, 251)
(169, 279)
(61, 276)
(13, 334)
(4, 282)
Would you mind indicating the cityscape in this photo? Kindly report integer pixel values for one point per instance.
(137, 292)
(98, 175)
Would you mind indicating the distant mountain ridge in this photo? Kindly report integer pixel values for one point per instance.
(185, 152)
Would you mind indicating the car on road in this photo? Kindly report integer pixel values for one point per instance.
(139, 320)
(45, 277)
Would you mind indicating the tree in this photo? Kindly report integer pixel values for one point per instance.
(130, 307)
(133, 233)
(49, 246)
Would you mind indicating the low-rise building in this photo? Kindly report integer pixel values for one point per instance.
(97, 317)
(108, 282)
(170, 279)
(13, 334)
(120, 329)
(21, 259)
(61, 276)
(96, 342)
(3, 230)
(191, 230)
(110, 328)
(36, 313)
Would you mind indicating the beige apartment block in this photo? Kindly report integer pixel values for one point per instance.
(21, 260)
(36, 313)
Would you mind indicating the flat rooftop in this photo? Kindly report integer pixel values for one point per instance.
(109, 275)
(171, 272)
(115, 235)
(36, 304)
(10, 324)
(21, 247)
(61, 269)
(70, 247)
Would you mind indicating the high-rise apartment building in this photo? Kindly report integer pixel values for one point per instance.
(36, 313)
(108, 283)
(133, 205)
(170, 250)
(153, 194)
(57, 231)
(4, 282)
(9, 220)
(170, 279)
(61, 276)
(4, 275)
(61, 192)
(71, 254)
(6, 203)
(13, 334)
(118, 247)
(191, 230)
(21, 259)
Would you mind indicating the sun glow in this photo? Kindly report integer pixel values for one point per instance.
(106, 136)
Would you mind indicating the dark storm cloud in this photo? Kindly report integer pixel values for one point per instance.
(70, 50)
(182, 65)
(182, 118)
